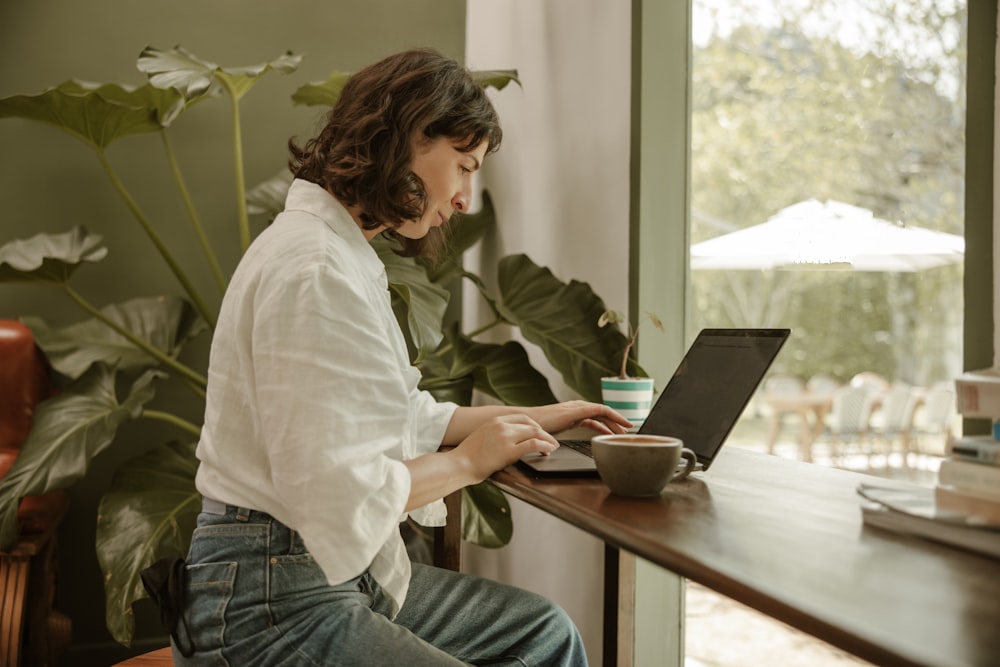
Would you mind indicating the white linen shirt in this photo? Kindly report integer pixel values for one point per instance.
(312, 402)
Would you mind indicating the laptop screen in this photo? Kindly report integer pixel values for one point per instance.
(712, 385)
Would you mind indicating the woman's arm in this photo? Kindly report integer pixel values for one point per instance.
(552, 418)
(492, 437)
(492, 445)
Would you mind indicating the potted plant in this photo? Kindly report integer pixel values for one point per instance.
(631, 395)
(150, 508)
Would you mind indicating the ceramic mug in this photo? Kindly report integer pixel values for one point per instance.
(640, 465)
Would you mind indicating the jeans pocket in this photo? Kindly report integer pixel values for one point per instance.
(210, 589)
(293, 576)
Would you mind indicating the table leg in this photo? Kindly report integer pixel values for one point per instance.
(772, 432)
(619, 607)
(805, 433)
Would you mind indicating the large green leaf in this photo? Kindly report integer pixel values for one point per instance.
(49, 258)
(486, 519)
(97, 114)
(67, 433)
(165, 322)
(502, 371)
(269, 197)
(496, 78)
(323, 93)
(561, 318)
(443, 387)
(464, 231)
(326, 93)
(148, 513)
(425, 302)
(467, 229)
(181, 69)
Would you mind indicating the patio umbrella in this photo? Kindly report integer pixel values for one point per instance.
(818, 235)
(832, 235)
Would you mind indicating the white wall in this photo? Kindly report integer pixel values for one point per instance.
(560, 184)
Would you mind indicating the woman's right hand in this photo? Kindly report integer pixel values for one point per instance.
(502, 441)
(493, 445)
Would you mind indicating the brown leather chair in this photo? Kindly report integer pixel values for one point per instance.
(29, 627)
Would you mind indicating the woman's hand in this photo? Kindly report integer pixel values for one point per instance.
(571, 414)
(502, 441)
(489, 440)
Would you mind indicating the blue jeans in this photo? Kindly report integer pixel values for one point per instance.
(255, 596)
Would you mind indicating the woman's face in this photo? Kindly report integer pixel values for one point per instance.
(447, 176)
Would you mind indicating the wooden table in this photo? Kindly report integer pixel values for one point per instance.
(811, 408)
(786, 538)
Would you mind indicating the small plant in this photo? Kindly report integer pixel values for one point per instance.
(631, 334)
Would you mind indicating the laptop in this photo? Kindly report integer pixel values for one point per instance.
(700, 404)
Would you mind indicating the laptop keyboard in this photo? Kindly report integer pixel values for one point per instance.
(582, 446)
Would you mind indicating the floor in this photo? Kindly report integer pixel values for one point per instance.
(723, 633)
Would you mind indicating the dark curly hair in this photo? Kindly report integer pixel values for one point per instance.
(364, 154)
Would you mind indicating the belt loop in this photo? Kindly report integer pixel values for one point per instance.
(242, 514)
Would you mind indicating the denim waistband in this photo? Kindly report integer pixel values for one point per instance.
(212, 506)
(245, 514)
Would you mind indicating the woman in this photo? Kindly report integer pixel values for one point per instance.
(317, 442)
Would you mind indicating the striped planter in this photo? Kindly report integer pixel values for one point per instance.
(632, 397)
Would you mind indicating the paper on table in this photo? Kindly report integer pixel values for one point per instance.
(913, 512)
(919, 501)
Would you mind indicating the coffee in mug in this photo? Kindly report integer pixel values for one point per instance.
(640, 466)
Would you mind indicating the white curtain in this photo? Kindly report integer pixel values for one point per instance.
(560, 185)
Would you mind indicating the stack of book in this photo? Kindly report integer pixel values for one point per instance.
(969, 477)
(963, 507)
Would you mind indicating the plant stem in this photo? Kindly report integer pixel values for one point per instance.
(198, 389)
(632, 333)
(486, 327)
(199, 228)
(243, 217)
(192, 293)
(194, 377)
(173, 419)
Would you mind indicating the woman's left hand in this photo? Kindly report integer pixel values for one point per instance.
(571, 414)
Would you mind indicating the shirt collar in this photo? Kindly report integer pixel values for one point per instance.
(312, 198)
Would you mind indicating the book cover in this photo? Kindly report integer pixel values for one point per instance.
(914, 511)
(970, 476)
(974, 506)
(978, 448)
(977, 393)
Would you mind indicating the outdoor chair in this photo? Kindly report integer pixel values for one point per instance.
(934, 420)
(871, 380)
(848, 421)
(892, 421)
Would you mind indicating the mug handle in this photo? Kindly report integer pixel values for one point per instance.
(691, 459)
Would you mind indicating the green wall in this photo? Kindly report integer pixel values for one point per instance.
(50, 181)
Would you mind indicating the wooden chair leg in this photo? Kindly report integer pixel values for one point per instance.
(14, 570)
(448, 539)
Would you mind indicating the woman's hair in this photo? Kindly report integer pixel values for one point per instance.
(364, 154)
